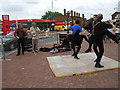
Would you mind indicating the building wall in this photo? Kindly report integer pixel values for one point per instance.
(71, 19)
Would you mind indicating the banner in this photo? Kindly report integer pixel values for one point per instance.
(6, 24)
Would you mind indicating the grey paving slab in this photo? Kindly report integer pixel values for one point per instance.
(66, 65)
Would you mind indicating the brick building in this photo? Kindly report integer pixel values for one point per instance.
(70, 17)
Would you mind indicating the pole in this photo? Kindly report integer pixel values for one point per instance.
(16, 23)
(52, 5)
(3, 52)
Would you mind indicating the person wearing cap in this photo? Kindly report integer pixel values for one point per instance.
(35, 36)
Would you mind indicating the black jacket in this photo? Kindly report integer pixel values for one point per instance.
(99, 28)
(21, 33)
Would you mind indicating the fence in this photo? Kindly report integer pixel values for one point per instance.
(46, 40)
(49, 39)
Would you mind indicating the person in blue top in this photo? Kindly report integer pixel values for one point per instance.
(76, 40)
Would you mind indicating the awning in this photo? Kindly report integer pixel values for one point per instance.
(31, 20)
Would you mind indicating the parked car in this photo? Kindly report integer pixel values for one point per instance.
(10, 42)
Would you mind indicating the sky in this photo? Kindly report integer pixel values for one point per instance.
(34, 9)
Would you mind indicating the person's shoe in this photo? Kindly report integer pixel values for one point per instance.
(98, 65)
(17, 54)
(73, 54)
(23, 54)
(95, 60)
(87, 51)
(117, 41)
(76, 57)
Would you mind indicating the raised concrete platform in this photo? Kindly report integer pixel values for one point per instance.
(66, 65)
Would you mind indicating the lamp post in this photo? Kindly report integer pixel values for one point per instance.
(68, 15)
(16, 21)
(52, 5)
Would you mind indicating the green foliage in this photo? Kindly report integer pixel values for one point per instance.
(91, 19)
(49, 15)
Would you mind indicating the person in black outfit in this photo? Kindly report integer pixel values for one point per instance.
(99, 29)
(76, 40)
(20, 34)
(90, 39)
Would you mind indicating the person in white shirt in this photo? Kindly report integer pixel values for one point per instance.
(35, 36)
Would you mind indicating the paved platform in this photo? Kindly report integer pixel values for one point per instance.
(33, 71)
(66, 65)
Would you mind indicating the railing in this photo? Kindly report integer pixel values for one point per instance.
(4, 54)
(46, 40)
(49, 38)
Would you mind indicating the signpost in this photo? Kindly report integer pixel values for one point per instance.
(6, 24)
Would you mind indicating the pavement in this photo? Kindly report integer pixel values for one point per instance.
(32, 71)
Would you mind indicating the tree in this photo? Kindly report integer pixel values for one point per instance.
(91, 19)
(49, 15)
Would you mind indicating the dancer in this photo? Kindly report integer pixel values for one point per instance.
(76, 40)
(99, 29)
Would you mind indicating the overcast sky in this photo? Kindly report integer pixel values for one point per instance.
(34, 9)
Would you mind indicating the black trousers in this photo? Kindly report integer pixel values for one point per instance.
(76, 41)
(90, 43)
(98, 44)
(98, 48)
(84, 37)
(21, 43)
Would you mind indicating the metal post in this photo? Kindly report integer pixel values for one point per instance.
(3, 52)
(57, 37)
(16, 23)
(52, 5)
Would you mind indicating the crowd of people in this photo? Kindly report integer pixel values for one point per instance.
(97, 30)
